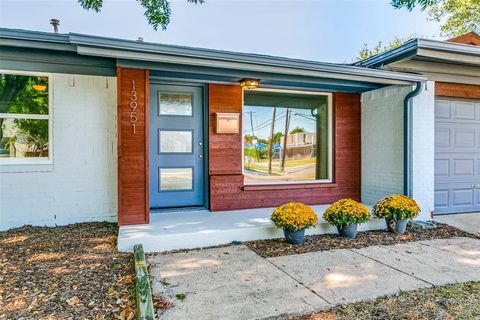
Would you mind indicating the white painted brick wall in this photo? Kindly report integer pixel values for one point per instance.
(81, 184)
(424, 149)
(382, 145)
(382, 142)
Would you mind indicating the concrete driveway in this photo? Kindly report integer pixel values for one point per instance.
(469, 222)
(235, 283)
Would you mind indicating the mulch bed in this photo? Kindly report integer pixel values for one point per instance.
(457, 301)
(279, 247)
(71, 272)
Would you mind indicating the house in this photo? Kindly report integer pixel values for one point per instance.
(453, 71)
(116, 129)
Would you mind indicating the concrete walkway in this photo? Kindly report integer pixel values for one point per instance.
(235, 283)
(469, 222)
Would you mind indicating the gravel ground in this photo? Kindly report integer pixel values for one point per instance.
(71, 272)
(455, 302)
(279, 247)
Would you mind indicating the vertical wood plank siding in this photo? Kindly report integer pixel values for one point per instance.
(457, 90)
(133, 203)
(227, 190)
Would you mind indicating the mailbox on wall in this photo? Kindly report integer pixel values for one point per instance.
(227, 122)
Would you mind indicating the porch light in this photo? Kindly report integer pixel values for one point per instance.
(39, 87)
(249, 83)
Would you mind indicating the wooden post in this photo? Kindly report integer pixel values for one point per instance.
(284, 149)
(270, 145)
(143, 291)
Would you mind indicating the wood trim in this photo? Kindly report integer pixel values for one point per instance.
(119, 149)
(470, 38)
(457, 90)
(147, 149)
(133, 177)
(227, 188)
(289, 186)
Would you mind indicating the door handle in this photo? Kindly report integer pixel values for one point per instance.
(200, 143)
(200, 156)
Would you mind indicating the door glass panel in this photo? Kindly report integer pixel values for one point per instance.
(175, 104)
(175, 141)
(176, 179)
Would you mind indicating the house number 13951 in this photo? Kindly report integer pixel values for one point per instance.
(133, 107)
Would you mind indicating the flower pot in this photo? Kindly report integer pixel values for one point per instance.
(348, 231)
(294, 237)
(398, 226)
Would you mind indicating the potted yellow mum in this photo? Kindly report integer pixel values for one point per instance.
(346, 214)
(397, 210)
(294, 218)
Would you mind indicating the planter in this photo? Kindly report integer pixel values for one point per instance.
(398, 226)
(348, 231)
(295, 237)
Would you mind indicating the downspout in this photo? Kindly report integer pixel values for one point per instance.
(407, 139)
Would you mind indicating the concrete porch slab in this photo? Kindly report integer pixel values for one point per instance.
(194, 229)
(469, 222)
(341, 276)
(437, 262)
(228, 283)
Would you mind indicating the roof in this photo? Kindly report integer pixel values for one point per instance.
(471, 38)
(154, 55)
(426, 49)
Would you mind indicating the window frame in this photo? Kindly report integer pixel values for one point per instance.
(7, 161)
(330, 139)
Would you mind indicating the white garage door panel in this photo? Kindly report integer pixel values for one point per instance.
(457, 156)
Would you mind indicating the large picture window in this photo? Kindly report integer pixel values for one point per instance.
(24, 118)
(286, 137)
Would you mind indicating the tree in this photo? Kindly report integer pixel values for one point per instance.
(366, 52)
(17, 96)
(457, 16)
(277, 137)
(297, 130)
(158, 12)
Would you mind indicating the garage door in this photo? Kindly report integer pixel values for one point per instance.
(457, 156)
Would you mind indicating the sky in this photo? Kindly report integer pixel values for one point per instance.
(329, 31)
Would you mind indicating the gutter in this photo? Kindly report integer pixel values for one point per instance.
(407, 139)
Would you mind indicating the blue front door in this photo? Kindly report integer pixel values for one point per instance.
(176, 146)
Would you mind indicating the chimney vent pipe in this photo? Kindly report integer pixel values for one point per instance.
(55, 23)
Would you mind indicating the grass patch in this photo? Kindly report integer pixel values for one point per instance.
(181, 296)
(457, 301)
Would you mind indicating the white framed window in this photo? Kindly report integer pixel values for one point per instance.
(287, 137)
(25, 118)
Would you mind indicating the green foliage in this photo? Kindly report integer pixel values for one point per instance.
(277, 138)
(410, 4)
(457, 17)
(297, 130)
(158, 12)
(18, 96)
(366, 52)
(345, 212)
(95, 5)
(181, 296)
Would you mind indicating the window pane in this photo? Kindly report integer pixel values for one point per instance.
(23, 138)
(176, 104)
(176, 141)
(176, 179)
(23, 94)
(285, 137)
